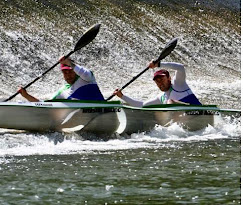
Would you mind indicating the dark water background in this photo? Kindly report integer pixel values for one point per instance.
(163, 166)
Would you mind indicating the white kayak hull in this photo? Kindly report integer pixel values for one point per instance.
(103, 117)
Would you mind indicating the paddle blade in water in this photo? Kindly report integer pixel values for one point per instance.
(88, 36)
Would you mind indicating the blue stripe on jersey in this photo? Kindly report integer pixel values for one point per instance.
(87, 92)
(191, 99)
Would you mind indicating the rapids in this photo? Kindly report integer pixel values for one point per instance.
(132, 33)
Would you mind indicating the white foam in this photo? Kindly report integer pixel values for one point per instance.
(24, 144)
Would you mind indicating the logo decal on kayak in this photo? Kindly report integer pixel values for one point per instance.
(202, 112)
(101, 110)
(43, 104)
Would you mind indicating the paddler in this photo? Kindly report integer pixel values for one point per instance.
(175, 91)
(81, 84)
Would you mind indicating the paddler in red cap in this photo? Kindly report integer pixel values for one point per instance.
(81, 84)
(175, 91)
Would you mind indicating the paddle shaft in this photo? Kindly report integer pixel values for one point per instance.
(165, 52)
(37, 78)
(134, 78)
(128, 83)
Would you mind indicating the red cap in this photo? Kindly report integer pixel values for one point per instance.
(161, 72)
(65, 67)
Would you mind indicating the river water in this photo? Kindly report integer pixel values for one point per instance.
(162, 166)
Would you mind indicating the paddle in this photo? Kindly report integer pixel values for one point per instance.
(85, 39)
(165, 52)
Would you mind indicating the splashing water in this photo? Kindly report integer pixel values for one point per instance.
(164, 165)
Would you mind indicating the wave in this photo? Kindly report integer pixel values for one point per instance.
(19, 143)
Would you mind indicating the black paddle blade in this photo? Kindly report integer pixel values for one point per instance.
(87, 37)
(167, 49)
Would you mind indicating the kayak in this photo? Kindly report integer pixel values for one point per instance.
(105, 117)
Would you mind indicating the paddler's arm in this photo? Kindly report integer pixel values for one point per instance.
(180, 74)
(136, 103)
(27, 96)
(168, 65)
(84, 73)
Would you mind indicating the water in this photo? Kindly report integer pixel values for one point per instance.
(162, 166)
(165, 165)
(167, 174)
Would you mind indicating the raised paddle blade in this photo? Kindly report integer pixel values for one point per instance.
(88, 36)
(170, 46)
